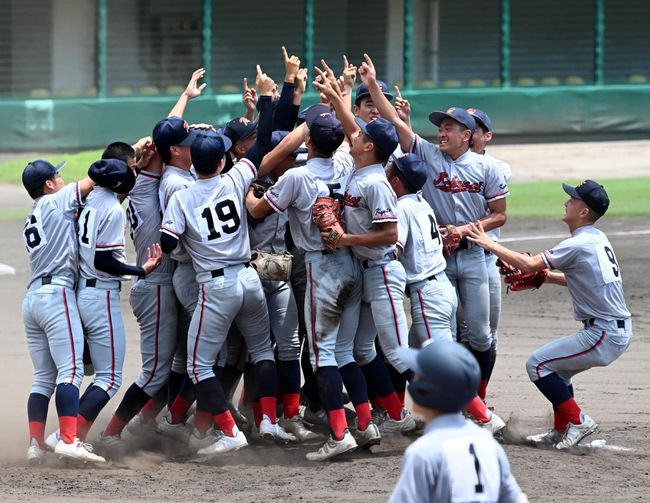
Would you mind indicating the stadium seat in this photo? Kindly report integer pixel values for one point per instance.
(149, 91)
(526, 81)
(550, 81)
(426, 84)
(452, 83)
(39, 93)
(637, 79)
(229, 88)
(122, 91)
(174, 90)
(476, 83)
(67, 92)
(496, 82)
(574, 80)
(90, 91)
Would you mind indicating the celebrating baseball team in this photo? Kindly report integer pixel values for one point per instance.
(279, 250)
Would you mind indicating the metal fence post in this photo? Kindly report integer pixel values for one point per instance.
(207, 44)
(599, 42)
(102, 16)
(309, 38)
(408, 44)
(505, 44)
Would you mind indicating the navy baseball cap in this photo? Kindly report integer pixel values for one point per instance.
(482, 118)
(591, 193)
(459, 114)
(363, 92)
(382, 132)
(303, 113)
(37, 172)
(448, 375)
(413, 168)
(208, 148)
(278, 136)
(239, 128)
(173, 131)
(325, 130)
(112, 174)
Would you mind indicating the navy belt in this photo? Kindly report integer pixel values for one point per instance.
(590, 323)
(46, 280)
(369, 263)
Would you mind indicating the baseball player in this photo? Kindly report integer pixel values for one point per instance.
(152, 297)
(364, 106)
(333, 293)
(454, 460)
(50, 315)
(588, 266)
(459, 188)
(209, 218)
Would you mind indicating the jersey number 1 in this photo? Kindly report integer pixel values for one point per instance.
(225, 211)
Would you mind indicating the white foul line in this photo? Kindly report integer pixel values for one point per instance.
(560, 236)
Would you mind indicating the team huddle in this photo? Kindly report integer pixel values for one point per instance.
(279, 249)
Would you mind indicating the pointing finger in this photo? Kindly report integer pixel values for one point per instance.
(284, 53)
(399, 94)
(259, 71)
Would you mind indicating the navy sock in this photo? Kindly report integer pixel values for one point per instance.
(210, 397)
(483, 358)
(187, 389)
(330, 387)
(289, 375)
(229, 376)
(570, 388)
(553, 388)
(67, 400)
(174, 383)
(378, 377)
(37, 407)
(92, 403)
(355, 383)
(398, 380)
(265, 378)
(134, 399)
(493, 360)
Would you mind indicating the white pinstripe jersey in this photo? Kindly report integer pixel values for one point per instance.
(174, 179)
(269, 234)
(210, 219)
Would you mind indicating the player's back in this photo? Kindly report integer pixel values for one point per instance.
(50, 234)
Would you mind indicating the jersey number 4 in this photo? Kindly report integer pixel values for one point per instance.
(223, 217)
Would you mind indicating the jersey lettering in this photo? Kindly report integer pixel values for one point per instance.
(33, 234)
(608, 264)
(86, 225)
(429, 230)
(219, 220)
(133, 218)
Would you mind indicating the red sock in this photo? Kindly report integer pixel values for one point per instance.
(363, 415)
(338, 423)
(257, 413)
(151, 409)
(114, 427)
(482, 388)
(225, 422)
(202, 421)
(83, 427)
(37, 431)
(291, 404)
(559, 423)
(393, 405)
(569, 411)
(479, 410)
(267, 408)
(179, 409)
(402, 396)
(68, 428)
(376, 403)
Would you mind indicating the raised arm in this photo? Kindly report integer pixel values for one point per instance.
(191, 91)
(262, 143)
(331, 90)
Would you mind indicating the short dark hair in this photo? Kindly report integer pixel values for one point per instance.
(165, 154)
(380, 155)
(38, 192)
(405, 183)
(119, 150)
(207, 169)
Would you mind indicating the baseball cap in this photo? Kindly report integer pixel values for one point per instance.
(448, 375)
(459, 114)
(37, 172)
(278, 136)
(173, 131)
(362, 91)
(325, 130)
(112, 174)
(239, 128)
(413, 168)
(480, 116)
(382, 132)
(207, 149)
(591, 193)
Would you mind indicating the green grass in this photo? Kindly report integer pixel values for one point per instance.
(76, 166)
(628, 197)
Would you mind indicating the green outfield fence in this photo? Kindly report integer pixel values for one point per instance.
(81, 73)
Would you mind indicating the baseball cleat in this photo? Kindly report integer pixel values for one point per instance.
(177, 431)
(403, 425)
(368, 437)
(576, 432)
(77, 451)
(549, 438)
(137, 426)
(318, 417)
(223, 443)
(296, 425)
(332, 448)
(197, 441)
(270, 431)
(495, 425)
(52, 439)
(378, 416)
(35, 455)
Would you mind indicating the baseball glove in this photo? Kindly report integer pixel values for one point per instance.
(326, 214)
(260, 187)
(275, 266)
(518, 280)
(450, 239)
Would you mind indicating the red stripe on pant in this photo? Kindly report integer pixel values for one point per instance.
(537, 369)
(392, 305)
(110, 328)
(198, 334)
(424, 314)
(155, 354)
(67, 318)
(313, 315)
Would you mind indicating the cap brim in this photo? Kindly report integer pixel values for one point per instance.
(358, 98)
(409, 357)
(479, 122)
(191, 136)
(437, 117)
(60, 166)
(362, 124)
(571, 191)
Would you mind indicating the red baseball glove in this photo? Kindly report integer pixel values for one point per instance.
(518, 280)
(326, 213)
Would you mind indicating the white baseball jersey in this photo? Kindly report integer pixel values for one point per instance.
(369, 200)
(210, 219)
(101, 227)
(174, 179)
(504, 168)
(592, 274)
(419, 239)
(50, 234)
(343, 162)
(295, 193)
(457, 462)
(144, 217)
(269, 234)
(459, 190)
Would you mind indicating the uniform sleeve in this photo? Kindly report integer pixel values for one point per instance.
(382, 203)
(168, 189)
(343, 162)
(242, 174)
(173, 222)
(68, 199)
(402, 226)
(496, 186)
(416, 483)
(281, 195)
(505, 169)
(509, 490)
(562, 255)
(110, 230)
(146, 183)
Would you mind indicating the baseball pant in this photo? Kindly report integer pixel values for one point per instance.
(186, 289)
(597, 345)
(283, 316)
(54, 334)
(101, 316)
(155, 307)
(433, 308)
(494, 280)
